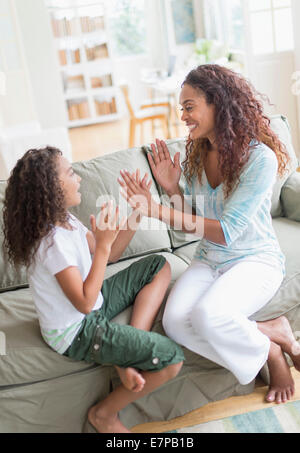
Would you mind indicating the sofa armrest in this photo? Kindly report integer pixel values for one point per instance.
(290, 197)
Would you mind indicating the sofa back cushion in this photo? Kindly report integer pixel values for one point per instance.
(280, 126)
(290, 197)
(10, 278)
(99, 183)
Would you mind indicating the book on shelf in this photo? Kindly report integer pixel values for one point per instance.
(62, 57)
(91, 24)
(73, 83)
(96, 52)
(101, 81)
(68, 56)
(64, 27)
(78, 110)
(105, 107)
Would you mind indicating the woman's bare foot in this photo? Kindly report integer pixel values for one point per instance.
(131, 379)
(281, 382)
(280, 332)
(105, 424)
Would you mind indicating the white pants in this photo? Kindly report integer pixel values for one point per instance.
(207, 312)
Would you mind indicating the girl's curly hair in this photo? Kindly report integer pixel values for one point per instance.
(34, 202)
(239, 119)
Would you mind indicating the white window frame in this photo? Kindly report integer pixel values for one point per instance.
(247, 21)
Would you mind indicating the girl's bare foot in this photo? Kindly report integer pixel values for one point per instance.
(105, 424)
(131, 379)
(280, 332)
(281, 382)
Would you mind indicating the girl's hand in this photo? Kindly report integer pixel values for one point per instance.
(166, 172)
(106, 228)
(137, 193)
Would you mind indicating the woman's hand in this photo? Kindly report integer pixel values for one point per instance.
(106, 228)
(137, 193)
(166, 172)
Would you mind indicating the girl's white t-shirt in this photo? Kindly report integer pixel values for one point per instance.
(59, 319)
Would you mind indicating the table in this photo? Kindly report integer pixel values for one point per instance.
(168, 87)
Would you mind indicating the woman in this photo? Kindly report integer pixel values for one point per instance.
(232, 160)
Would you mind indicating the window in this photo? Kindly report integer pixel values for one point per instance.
(224, 22)
(271, 26)
(127, 26)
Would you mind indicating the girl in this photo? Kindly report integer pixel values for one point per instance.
(74, 303)
(232, 159)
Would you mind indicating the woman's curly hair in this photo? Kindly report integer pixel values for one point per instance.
(34, 202)
(239, 119)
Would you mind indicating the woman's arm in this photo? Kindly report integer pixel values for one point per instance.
(209, 229)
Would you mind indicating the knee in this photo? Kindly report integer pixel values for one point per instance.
(171, 371)
(165, 272)
(172, 324)
(203, 320)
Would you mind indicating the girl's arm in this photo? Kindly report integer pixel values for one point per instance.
(123, 239)
(83, 294)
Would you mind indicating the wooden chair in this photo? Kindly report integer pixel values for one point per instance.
(147, 112)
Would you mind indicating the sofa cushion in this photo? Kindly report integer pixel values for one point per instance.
(287, 297)
(28, 358)
(290, 197)
(10, 278)
(99, 183)
(280, 125)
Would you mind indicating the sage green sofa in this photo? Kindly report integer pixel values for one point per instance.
(41, 391)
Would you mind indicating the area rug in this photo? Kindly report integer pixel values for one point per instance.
(284, 418)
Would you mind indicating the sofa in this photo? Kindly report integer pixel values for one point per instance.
(41, 391)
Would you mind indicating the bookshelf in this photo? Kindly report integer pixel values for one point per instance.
(81, 39)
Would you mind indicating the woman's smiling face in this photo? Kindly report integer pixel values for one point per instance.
(197, 114)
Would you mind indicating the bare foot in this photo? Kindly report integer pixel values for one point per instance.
(131, 379)
(280, 332)
(105, 424)
(281, 382)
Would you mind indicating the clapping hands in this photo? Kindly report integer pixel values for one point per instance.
(136, 192)
(166, 172)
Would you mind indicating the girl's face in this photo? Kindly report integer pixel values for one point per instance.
(70, 182)
(197, 114)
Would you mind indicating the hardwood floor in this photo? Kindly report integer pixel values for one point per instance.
(97, 140)
(219, 409)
